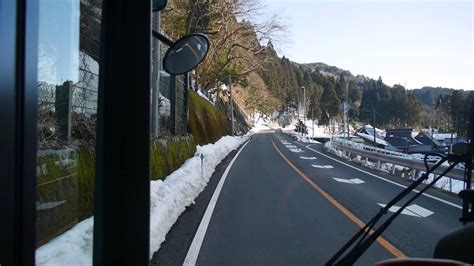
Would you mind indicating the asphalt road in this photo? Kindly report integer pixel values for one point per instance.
(267, 213)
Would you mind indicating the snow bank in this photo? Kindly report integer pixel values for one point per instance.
(304, 138)
(316, 131)
(71, 248)
(168, 199)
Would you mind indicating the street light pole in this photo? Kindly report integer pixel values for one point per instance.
(406, 144)
(304, 109)
(375, 131)
(231, 104)
(346, 115)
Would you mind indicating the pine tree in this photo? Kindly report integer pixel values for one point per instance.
(329, 101)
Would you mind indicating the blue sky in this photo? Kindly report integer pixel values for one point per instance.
(417, 43)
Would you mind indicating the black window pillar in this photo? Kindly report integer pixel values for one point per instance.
(18, 103)
(122, 196)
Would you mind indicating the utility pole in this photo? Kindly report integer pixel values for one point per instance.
(304, 109)
(346, 122)
(375, 132)
(312, 117)
(432, 134)
(231, 104)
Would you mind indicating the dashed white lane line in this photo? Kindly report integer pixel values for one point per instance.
(383, 179)
(308, 158)
(193, 252)
(322, 166)
(412, 210)
(354, 181)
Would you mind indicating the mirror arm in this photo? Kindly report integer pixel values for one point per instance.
(162, 38)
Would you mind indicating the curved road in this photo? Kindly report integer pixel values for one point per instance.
(287, 203)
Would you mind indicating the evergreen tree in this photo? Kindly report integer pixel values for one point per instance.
(329, 101)
(456, 108)
(314, 110)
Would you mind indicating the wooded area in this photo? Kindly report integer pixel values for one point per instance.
(242, 50)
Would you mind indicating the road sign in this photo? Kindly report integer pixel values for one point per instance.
(344, 107)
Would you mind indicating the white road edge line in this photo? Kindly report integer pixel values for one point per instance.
(193, 252)
(381, 178)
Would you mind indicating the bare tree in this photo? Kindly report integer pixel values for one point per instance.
(236, 29)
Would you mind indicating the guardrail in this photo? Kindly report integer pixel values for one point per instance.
(396, 158)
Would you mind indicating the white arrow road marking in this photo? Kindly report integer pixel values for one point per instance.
(355, 181)
(396, 208)
(291, 146)
(342, 180)
(296, 150)
(420, 210)
(412, 210)
(308, 158)
(322, 166)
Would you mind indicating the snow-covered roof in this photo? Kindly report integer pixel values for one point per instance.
(343, 134)
(443, 136)
(371, 138)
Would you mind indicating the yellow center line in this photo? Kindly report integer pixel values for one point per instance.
(382, 241)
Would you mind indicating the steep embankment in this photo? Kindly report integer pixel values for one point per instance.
(206, 123)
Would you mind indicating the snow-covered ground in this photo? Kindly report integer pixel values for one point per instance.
(168, 200)
(304, 138)
(165, 106)
(261, 122)
(170, 197)
(316, 132)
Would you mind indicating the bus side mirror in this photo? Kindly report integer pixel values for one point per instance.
(159, 5)
(186, 53)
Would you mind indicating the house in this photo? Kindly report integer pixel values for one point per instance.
(403, 141)
(367, 134)
(448, 138)
(426, 138)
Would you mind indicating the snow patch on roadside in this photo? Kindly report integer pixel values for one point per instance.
(71, 248)
(169, 198)
(306, 139)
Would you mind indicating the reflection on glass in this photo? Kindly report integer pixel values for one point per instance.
(68, 74)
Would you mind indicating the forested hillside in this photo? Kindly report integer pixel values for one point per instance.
(430, 96)
(327, 86)
(242, 51)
